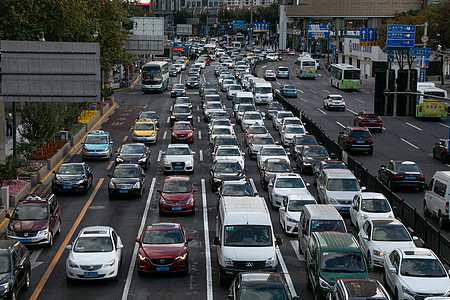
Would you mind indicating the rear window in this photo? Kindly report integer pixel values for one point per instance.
(357, 134)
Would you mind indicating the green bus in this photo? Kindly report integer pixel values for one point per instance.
(345, 77)
(155, 76)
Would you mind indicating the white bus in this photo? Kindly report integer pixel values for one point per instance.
(155, 76)
(345, 77)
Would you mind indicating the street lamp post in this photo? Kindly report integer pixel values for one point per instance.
(95, 34)
(14, 128)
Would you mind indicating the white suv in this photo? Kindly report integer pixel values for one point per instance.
(282, 184)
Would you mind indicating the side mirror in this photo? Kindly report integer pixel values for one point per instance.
(188, 239)
(308, 184)
(216, 241)
(426, 187)
(415, 238)
(119, 246)
(110, 142)
(137, 240)
(69, 247)
(109, 175)
(270, 184)
(370, 267)
(54, 172)
(363, 188)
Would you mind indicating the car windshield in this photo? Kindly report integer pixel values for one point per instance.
(275, 106)
(289, 87)
(257, 130)
(192, 78)
(263, 90)
(283, 115)
(148, 115)
(243, 108)
(263, 141)
(96, 139)
(5, 262)
(163, 237)
(390, 233)
(181, 109)
(214, 105)
(144, 126)
(71, 169)
(132, 149)
(228, 81)
(252, 117)
(352, 74)
(371, 116)
(211, 98)
(305, 140)
(218, 130)
(342, 262)
(176, 187)
(182, 126)
(178, 86)
(31, 212)
(262, 293)
(295, 183)
(408, 168)
(416, 267)
(278, 167)
(220, 122)
(237, 190)
(182, 100)
(343, 185)
(248, 235)
(219, 114)
(228, 167)
(236, 88)
(283, 69)
(375, 205)
(339, 166)
(297, 205)
(294, 130)
(327, 225)
(178, 151)
(315, 152)
(244, 100)
(226, 141)
(93, 244)
(228, 152)
(273, 152)
(126, 173)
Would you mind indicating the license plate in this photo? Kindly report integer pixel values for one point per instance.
(178, 167)
(264, 100)
(176, 208)
(371, 121)
(94, 154)
(182, 139)
(25, 240)
(359, 142)
(90, 274)
(345, 208)
(410, 177)
(67, 187)
(163, 269)
(123, 191)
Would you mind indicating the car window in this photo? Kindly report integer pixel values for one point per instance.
(176, 187)
(332, 261)
(416, 267)
(342, 185)
(178, 151)
(93, 244)
(162, 237)
(95, 139)
(375, 205)
(5, 262)
(440, 188)
(390, 233)
(129, 149)
(144, 126)
(289, 183)
(31, 212)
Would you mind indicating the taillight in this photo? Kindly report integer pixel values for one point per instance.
(421, 177)
(370, 140)
(446, 208)
(342, 100)
(331, 100)
(420, 108)
(350, 140)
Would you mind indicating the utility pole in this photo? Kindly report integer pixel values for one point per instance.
(250, 32)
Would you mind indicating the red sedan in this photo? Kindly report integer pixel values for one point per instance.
(182, 131)
(368, 119)
(177, 195)
(163, 249)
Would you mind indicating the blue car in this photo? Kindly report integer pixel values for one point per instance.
(289, 91)
(97, 145)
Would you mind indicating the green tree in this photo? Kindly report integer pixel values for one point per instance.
(180, 17)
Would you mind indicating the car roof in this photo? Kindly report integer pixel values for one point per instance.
(37, 198)
(331, 240)
(423, 253)
(163, 226)
(224, 160)
(177, 146)
(384, 221)
(303, 196)
(339, 173)
(98, 132)
(228, 146)
(353, 128)
(403, 162)
(95, 231)
(127, 166)
(5, 244)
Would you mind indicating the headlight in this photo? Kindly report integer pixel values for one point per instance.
(167, 162)
(153, 134)
(190, 201)
(228, 262)
(4, 287)
(141, 257)
(190, 134)
(81, 181)
(110, 264)
(189, 162)
(182, 257)
(106, 149)
(137, 185)
(378, 253)
(162, 201)
(174, 134)
(189, 117)
(172, 117)
(277, 195)
(72, 264)
(141, 159)
(332, 201)
(217, 179)
(408, 291)
(45, 231)
(9, 232)
(111, 185)
(291, 220)
(323, 284)
(270, 261)
(306, 163)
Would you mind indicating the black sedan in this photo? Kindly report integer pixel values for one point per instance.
(225, 170)
(180, 112)
(126, 180)
(72, 177)
(440, 150)
(298, 142)
(135, 153)
(401, 173)
(192, 82)
(177, 90)
(309, 156)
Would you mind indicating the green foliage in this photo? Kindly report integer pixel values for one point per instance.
(8, 172)
(180, 17)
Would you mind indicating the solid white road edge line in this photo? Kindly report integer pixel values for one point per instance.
(445, 125)
(126, 289)
(252, 183)
(286, 272)
(340, 124)
(209, 287)
(199, 135)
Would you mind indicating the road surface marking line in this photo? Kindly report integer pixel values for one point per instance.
(199, 135)
(357, 99)
(165, 135)
(159, 155)
(201, 155)
(110, 165)
(313, 91)
(125, 139)
(302, 92)
(145, 106)
(79, 151)
(168, 120)
(61, 249)
(321, 111)
(326, 91)
(286, 272)
(198, 107)
(413, 126)
(126, 289)
(209, 287)
(340, 124)
(252, 183)
(198, 119)
(34, 256)
(118, 150)
(409, 143)
(353, 112)
(294, 244)
(303, 100)
(45, 190)
(442, 124)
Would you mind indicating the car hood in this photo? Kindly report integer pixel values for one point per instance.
(27, 225)
(67, 177)
(249, 253)
(182, 131)
(95, 146)
(183, 158)
(342, 195)
(91, 258)
(124, 180)
(144, 132)
(288, 191)
(155, 251)
(387, 247)
(131, 157)
(176, 197)
(427, 285)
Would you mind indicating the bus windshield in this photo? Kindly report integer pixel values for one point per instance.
(352, 74)
(151, 75)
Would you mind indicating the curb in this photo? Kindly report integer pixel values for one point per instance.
(130, 87)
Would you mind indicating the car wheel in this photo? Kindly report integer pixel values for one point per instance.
(26, 285)
(426, 212)
(50, 242)
(324, 107)
(343, 109)
(441, 222)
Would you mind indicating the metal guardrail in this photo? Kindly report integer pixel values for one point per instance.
(409, 215)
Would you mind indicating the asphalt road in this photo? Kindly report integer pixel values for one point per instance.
(128, 216)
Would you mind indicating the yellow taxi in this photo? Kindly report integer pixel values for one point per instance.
(145, 132)
(185, 58)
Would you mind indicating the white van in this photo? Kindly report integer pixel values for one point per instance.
(236, 45)
(437, 196)
(244, 237)
(242, 98)
(318, 218)
(263, 92)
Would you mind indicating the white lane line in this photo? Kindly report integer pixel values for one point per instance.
(357, 99)
(353, 112)
(325, 83)
(409, 143)
(165, 135)
(201, 155)
(278, 83)
(286, 273)
(209, 287)
(252, 183)
(180, 78)
(354, 92)
(319, 74)
(301, 91)
(198, 119)
(413, 126)
(168, 119)
(126, 289)
(294, 244)
(34, 256)
(326, 91)
(384, 128)
(199, 135)
(303, 100)
(442, 124)
(321, 111)
(340, 124)
(198, 107)
(159, 155)
(313, 91)
(204, 79)
(299, 83)
(264, 67)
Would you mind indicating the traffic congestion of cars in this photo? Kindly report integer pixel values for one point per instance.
(338, 264)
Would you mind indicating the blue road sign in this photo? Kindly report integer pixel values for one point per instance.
(422, 75)
(260, 26)
(420, 52)
(390, 56)
(240, 24)
(368, 35)
(334, 52)
(400, 36)
(318, 31)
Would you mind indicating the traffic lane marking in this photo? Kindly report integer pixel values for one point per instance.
(340, 124)
(295, 245)
(352, 111)
(285, 271)
(125, 139)
(60, 251)
(303, 100)
(413, 126)
(357, 99)
(321, 111)
(409, 143)
(445, 125)
(209, 287)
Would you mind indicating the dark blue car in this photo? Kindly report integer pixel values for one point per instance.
(289, 91)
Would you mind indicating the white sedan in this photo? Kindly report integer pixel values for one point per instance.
(229, 152)
(291, 209)
(250, 118)
(95, 254)
(283, 184)
(291, 131)
(220, 130)
(270, 151)
(368, 205)
(378, 237)
(178, 158)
